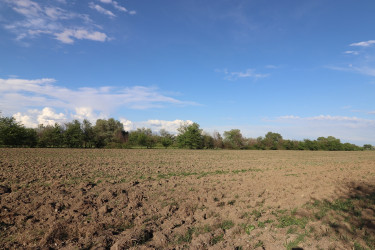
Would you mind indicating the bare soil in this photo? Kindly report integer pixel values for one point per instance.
(174, 199)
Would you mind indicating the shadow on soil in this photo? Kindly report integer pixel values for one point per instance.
(352, 217)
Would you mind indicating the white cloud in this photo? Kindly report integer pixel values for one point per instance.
(249, 73)
(100, 9)
(46, 116)
(128, 125)
(363, 63)
(352, 52)
(155, 125)
(67, 35)
(364, 43)
(19, 95)
(88, 113)
(46, 18)
(117, 6)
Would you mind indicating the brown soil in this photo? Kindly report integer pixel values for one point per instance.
(171, 199)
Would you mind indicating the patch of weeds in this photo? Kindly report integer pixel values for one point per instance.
(216, 239)
(259, 244)
(294, 243)
(245, 215)
(292, 230)
(257, 214)
(216, 199)
(227, 224)
(369, 239)
(187, 237)
(249, 228)
(123, 180)
(262, 224)
(286, 221)
(281, 211)
(358, 246)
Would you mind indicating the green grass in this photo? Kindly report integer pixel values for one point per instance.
(227, 224)
(286, 221)
(187, 237)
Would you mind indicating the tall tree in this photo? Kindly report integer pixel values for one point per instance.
(190, 136)
(166, 138)
(74, 134)
(12, 133)
(233, 139)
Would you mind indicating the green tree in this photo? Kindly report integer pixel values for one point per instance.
(166, 138)
(368, 147)
(50, 136)
(273, 140)
(330, 143)
(233, 139)
(190, 136)
(88, 136)
(74, 134)
(208, 141)
(108, 132)
(218, 140)
(12, 133)
(142, 137)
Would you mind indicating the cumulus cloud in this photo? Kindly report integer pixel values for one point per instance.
(155, 125)
(19, 95)
(46, 116)
(49, 116)
(248, 73)
(52, 18)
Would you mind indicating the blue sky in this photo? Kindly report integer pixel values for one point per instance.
(300, 68)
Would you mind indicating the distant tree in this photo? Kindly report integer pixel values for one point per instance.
(368, 147)
(233, 139)
(166, 138)
(190, 136)
(208, 141)
(310, 145)
(31, 137)
(73, 134)
(108, 132)
(330, 143)
(50, 136)
(143, 137)
(88, 135)
(11, 132)
(273, 140)
(350, 147)
(293, 145)
(218, 140)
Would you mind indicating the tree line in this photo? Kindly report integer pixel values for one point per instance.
(110, 133)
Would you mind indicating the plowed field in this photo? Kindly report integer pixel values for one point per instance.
(174, 199)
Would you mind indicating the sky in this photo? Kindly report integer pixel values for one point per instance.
(300, 68)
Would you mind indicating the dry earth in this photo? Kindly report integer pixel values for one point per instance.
(174, 199)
